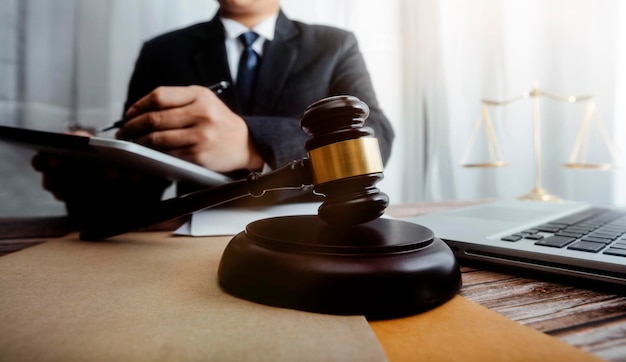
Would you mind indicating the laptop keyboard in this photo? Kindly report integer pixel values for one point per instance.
(596, 230)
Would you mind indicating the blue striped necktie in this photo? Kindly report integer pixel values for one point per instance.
(246, 74)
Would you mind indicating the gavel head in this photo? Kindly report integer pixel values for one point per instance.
(345, 160)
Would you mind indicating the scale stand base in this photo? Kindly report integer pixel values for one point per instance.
(540, 194)
(382, 269)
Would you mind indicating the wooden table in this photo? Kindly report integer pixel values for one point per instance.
(585, 316)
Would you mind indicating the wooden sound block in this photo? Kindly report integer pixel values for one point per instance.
(382, 269)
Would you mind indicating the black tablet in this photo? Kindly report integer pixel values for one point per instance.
(113, 152)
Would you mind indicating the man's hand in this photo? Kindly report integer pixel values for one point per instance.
(90, 192)
(192, 123)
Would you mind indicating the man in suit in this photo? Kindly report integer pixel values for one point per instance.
(170, 108)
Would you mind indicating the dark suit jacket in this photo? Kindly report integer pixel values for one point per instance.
(301, 65)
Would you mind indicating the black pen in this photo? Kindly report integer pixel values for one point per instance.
(217, 88)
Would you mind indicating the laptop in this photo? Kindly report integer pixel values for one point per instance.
(568, 238)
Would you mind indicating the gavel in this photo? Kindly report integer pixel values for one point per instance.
(346, 259)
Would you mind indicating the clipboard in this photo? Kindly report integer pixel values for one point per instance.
(113, 152)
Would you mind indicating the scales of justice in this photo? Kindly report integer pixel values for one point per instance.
(578, 156)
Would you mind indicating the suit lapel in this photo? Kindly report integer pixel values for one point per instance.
(211, 62)
(279, 56)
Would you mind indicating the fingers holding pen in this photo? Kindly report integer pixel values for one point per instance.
(150, 122)
(171, 96)
(164, 119)
(162, 98)
(192, 123)
(164, 108)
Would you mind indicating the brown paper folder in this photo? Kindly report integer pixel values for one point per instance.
(462, 330)
(152, 297)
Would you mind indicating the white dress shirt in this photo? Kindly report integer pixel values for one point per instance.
(233, 29)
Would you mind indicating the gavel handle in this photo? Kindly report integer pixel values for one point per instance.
(294, 175)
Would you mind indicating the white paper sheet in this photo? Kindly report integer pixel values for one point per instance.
(233, 220)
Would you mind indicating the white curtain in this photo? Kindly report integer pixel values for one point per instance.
(426, 151)
(70, 60)
(463, 51)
